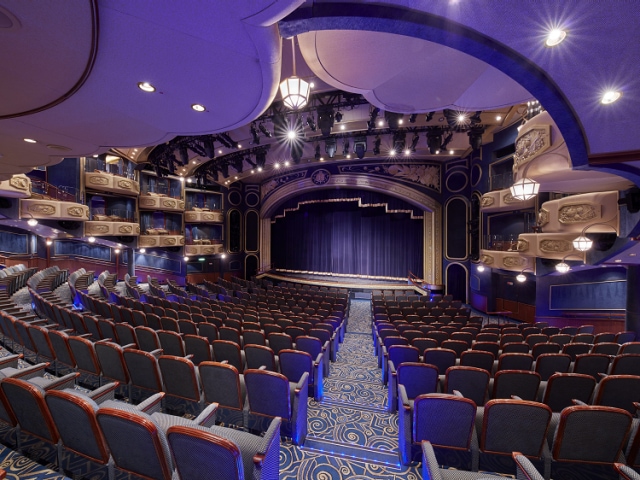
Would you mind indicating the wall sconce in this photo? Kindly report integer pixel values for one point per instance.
(91, 239)
(143, 250)
(117, 250)
(480, 268)
(186, 258)
(49, 242)
(32, 222)
(563, 267)
(525, 188)
(583, 243)
(521, 277)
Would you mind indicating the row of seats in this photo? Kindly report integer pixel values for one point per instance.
(135, 439)
(13, 279)
(580, 436)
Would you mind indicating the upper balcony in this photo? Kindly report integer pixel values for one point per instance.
(18, 186)
(55, 203)
(104, 181)
(202, 213)
(112, 221)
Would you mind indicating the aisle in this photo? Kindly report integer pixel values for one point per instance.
(350, 432)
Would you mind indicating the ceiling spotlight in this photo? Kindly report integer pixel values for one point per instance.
(360, 146)
(376, 145)
(286, 163)
(345, 147)
(255, 136)
(330, 146)
(414, 142)
(183, 151)
(413, 117)
(223, 256)
(451, 152)
(198, 107)
(608, 97)
(91, 239)
(498, 118)
(393, 119)
(264, 130)
(325, 119)
(446, 141)
(338, 116)
(29, 140)
(291, 134)
(434, 139)
(462, 118)
(555, 37)
(373, 115)
(146, 87)
(312, 123)
(475, 118)
(475, 137)
(521, 277)
(392, 152)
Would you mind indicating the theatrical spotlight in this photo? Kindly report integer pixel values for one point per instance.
(475, 118)
(330, 146)
(414, 142)
(261, 159)
(325, 120)
(338, 116)
(394, 120)
(345, 147)
(297, 149)
(238, 164)
(451, 116)
(376, 145)
(311, 123)
(264, 130)
(434, 140)
(317, 156)
(255, 136)
(475, 137)
(360, 146)
(228, 141)
(399, 141)
(224, 170)
(446, 141)
(373, 115)
(413, 117)
(429, 117)
(183, 151)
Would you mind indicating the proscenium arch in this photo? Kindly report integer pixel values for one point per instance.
(433, 28)
(432, 246)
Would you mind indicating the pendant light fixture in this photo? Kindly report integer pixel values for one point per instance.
(294, 90)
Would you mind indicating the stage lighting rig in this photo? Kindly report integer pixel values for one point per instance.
(414, 142)
(325, 119)
(373, 115)
(376, 145)
(208, 144)
(330, 146)
(360, 146)
(399, 141)
(434, 140)
(265, 132)
(311, 123)
(394, 120)
(255, 136)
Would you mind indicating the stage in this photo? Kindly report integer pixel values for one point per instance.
(356, 283)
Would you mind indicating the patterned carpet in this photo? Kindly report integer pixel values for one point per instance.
(350, 433)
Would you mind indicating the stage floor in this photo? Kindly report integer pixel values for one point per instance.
(352, 283)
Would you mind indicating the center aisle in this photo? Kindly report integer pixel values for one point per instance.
(350, 432)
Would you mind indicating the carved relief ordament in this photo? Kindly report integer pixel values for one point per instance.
(514, 262)
(578, 213)
(555, 246)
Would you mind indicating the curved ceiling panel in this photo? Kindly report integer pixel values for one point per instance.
(435, 77)
(59, 38)
(192, 52)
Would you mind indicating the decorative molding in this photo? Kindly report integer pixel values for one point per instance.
(522, 245)
(578, 213)
(320, 176)
(508, 199)
(42, 209)
(543, 217)
(19, 183)
(125, 229)
(486, 259)
(277, 182)
(125, 184)
(555, 246)
(78, 212)
(146, 241)
(510, 262)
(95, 180)
(531, 144)
(98, 228)
(147, 202)
(486, 200)
(425, 175)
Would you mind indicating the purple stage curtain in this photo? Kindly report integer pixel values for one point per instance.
(340, 237)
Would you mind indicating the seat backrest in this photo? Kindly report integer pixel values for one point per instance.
(209, 331)
(147, 339)
(85, 355)
(478, 359)
(514, 425)
(198, 453)
(515, 361)
(563, 388)
(417, 378)
(60, 342)
(492, 347)
(258, 355)
(143, 369)
(442, 358)
(523, 384)
(268, 393)
(590, 434)
(111, 358)
(549, 363)
(229, 351)
(179, 377)
(444, 420)
(171, 343)
(625, 364)
(629, 347)
(199, 347)
(458, 346)
(311, 345)
(294, 363)
(607, 348)
(592, 364)
(542, 348)
(577, 348)
(399, 354)
(136, 443)
(75, 418)
(620, 391)
(221, 384)
(471, 382)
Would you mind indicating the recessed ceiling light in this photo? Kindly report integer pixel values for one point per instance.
(348, 155)
(498, 118)
(253, 171)
(194, 162)
(146, 87)
(198, 108)
(322, 159)
(618, 260)
(259, 169)
(276, 165)
(311, 85)
(143, 250)
(342, 127)
(462, 118)
(400, 121)
(286, 163)
(632, 254)
(239, 146)
(555, 37)
(219, 152)
(437, 152)
(392, 152)
(291, 134)
(407, 152)
(30, 140)
(451, 152)
(610, 97)
(380, 123)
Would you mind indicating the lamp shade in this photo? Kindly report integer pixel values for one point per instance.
(582, 243)
(563, 267)
(524, 189)
(295, 92)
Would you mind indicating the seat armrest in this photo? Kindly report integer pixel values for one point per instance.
(303, 383)
(10, 361)
(208, 416)
(68, 381)
(151, 404)
(105, 392)
(270, 441)
(157, 352)
(29, 372)
(575, 401)
(402, 397)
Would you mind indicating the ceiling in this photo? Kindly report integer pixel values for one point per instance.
(72, 69)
